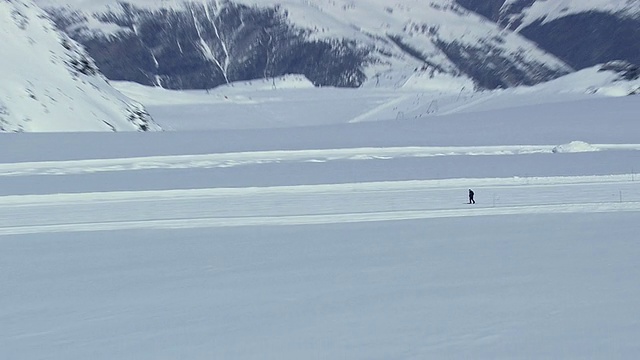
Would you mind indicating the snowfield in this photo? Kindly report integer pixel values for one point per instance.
(290, 222)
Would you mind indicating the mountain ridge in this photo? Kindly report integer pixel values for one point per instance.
(334, 43)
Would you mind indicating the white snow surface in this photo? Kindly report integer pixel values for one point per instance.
(40, 90)
(293, 101)
(281, 221)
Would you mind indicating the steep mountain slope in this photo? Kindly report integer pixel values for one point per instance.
(583, 33)
(49, 83)
(337, 43)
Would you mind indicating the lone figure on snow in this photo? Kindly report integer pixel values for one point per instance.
(471, 201)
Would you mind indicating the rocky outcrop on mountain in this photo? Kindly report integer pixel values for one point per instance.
(587, 39)
(582, 37)
(626, 70)
(206, 44)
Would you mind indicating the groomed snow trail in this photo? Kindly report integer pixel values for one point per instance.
(314, 204)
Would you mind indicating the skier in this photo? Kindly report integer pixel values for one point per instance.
(471, 193)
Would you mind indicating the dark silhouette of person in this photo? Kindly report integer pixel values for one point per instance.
(471, 193)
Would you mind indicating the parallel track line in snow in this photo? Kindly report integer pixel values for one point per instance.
(314, 204)
(214, 222)
(341, 188)
(225, 160)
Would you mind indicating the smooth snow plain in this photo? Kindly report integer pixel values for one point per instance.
(302, 223)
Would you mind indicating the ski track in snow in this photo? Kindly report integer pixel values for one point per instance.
(264, 157)
(314, 204)
(306, 204)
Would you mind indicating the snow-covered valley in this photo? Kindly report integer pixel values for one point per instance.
(280, 219)
(296, 222)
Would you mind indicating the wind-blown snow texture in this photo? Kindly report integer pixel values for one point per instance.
(49, 83)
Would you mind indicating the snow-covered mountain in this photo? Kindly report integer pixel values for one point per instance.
(338, 43)
(49, 83)
(523, 13)
(580, 32)
(490, 44)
